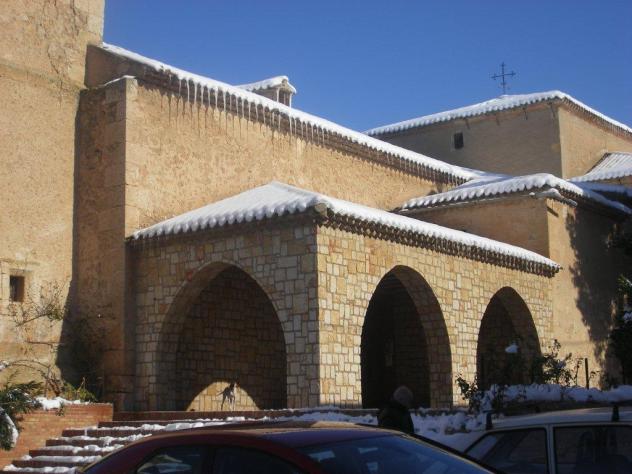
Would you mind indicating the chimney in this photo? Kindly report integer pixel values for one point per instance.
(277, 88)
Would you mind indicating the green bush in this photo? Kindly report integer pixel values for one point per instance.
(15, 399)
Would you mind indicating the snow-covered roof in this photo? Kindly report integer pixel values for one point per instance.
(504, 102)
(195, 85)
(502, 185)
(611, 166)
(276, 81)
(278, 199)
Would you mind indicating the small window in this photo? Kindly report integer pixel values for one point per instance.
(457, 140)
(515, 451)
(16, 289)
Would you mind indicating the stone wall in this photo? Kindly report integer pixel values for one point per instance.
(516, 220)
(42, 63)
(515, 142)
(584, 140)
(584, 292)
(350, 268)
(320, 283)
(147, 155)
(231, 334)
(169, 279)
(181, 156)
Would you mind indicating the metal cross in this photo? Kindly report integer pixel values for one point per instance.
(502, 77)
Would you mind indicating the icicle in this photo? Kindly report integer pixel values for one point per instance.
(249, 107)
(195, 88)
(188, 92)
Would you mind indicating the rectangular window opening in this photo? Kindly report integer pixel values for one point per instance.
(16, 289)
(457, 139)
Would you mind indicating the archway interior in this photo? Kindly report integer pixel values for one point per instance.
(394, 349)
(231, 332)
(507, 321)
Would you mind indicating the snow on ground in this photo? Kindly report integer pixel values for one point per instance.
(443, 427)
(56, 403)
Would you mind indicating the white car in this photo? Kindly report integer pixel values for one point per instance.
(594, 440)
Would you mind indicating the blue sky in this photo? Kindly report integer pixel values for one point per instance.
(369, 63)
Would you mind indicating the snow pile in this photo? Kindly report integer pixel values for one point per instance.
(277, 199)
(504, 102)
(3, 365)
(195, 85)
(57, 403)
(6, 420)
(612, 166)
(493, 186)
(555, 393)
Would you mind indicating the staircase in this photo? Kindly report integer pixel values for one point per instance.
(78, 447)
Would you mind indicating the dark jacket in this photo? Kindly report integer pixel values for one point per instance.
(395, 416)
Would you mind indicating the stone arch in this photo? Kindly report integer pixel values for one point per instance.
(507, 320)
(405, 342)
(222, 326)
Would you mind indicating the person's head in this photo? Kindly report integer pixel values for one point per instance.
(403, 395)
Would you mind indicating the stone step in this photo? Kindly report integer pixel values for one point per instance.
(82, 441)
(67, 450)
(110, 432)
(55, 461)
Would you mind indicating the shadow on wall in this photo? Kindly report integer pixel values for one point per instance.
(230, 332)
(594, 272)
(507, 321)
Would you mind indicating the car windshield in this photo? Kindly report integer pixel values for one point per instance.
(387, 455)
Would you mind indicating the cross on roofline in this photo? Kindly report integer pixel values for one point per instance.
(503, 75)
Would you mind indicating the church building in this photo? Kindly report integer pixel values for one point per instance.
(215, 233)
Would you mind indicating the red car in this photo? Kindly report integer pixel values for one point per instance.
(283, 448)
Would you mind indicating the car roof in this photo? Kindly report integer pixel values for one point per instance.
(291, 434)
(581, 415)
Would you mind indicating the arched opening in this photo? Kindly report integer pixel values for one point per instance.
(507, 341)
(225, 329)
(405, 342)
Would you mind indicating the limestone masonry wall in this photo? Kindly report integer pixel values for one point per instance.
(519, 220)
(170, 277)
(42, 65)
(584, 142)
(181, 156)
(585, 290)
(350, 268)
(514, 142)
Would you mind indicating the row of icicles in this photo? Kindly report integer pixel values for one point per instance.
(244, 108)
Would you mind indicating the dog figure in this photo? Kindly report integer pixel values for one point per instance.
(228, 394)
